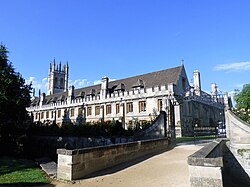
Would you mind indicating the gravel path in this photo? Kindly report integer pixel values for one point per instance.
(167, 169)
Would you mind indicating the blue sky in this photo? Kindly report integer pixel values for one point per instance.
(121, 38)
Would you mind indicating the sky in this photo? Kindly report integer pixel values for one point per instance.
(122, 38)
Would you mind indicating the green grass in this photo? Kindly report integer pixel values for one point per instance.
(20, 172)
(191, 138)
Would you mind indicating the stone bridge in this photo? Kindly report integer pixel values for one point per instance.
(224, 162)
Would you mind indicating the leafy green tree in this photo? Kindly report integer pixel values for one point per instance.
(243, 103)
(14, 98)
(243, 98)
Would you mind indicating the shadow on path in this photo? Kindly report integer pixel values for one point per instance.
(123, 166)
(233, 173)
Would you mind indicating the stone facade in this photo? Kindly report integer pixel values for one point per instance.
(131, 100)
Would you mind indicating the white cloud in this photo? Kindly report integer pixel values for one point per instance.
(99, 81)
(238, 66)
(38, 85)
(240, 86)
(79, 83)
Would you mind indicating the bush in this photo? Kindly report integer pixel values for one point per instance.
(109, 128)
(243, 114)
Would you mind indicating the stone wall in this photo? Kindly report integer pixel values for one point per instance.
(206, 165)
(238, 132)
(75, 164)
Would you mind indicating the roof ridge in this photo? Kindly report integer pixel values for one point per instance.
(153, 72)
(127, 78)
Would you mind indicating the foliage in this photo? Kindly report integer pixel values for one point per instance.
(109, 128)
(20, 172)
(14, 98)
(243, 98)
(243, 114)
(243, 103)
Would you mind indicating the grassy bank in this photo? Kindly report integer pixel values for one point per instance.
(20, 172)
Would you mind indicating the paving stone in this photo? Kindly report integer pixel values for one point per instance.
(47, 165)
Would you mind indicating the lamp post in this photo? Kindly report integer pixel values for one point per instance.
(195, 126)
(123, 113)
(55, 115)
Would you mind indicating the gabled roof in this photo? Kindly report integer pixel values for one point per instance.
(149, 80)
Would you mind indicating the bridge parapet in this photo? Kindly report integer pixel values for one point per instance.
(205, 166)
(238, 133)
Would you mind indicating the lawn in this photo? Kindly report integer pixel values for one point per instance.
(20, 172)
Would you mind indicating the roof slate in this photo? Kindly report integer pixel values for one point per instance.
(150, 80)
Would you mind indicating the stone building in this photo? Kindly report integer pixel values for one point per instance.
(130, 100)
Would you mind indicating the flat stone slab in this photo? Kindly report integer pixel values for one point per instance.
(48, 166)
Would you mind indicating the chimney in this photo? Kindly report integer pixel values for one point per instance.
(42, 98)
(197, 83)
(226, 102)
(104, 87)
(214, 90)
(71, 93)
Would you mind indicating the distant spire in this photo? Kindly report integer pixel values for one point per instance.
(182, 61)
(60, 66)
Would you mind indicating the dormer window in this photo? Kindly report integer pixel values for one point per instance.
(120, 87)
(92, 92)
(138, 84)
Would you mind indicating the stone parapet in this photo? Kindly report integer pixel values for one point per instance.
(76, 164)
(238, 132)
(205, 165)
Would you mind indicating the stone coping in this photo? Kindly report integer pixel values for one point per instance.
(236, 117)
(209, 155)
(106, 147)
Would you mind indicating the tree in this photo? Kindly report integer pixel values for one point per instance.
(243, 103)
(243, 98)
(14, 97)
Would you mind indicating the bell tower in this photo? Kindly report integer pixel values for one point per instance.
(57, 78)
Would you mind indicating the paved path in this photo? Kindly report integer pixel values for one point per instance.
(167, 169)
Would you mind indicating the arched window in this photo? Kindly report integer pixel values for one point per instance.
(56, 82)
(61, 83)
